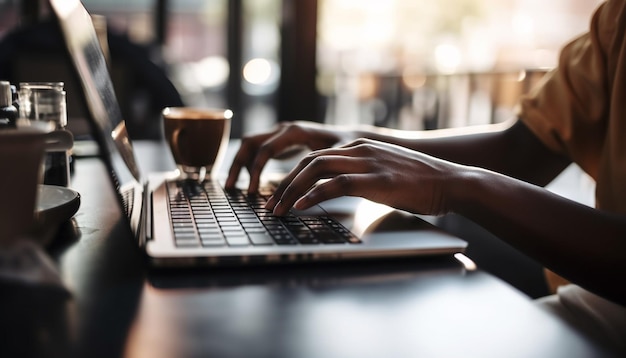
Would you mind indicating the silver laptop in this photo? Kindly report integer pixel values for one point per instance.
(182, 223)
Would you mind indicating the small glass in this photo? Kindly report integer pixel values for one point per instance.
(43, 101)
(43, 105)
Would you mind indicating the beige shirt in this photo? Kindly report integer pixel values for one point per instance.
(580, 108)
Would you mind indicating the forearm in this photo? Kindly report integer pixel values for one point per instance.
(507, 148)
(445, 143)
(567, 237)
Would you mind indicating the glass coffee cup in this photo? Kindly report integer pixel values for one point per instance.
(197, 138)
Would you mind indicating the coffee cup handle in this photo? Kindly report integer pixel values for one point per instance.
(175, 136)
(59, 140)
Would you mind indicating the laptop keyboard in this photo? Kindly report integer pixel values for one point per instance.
(128, 201)
(204, 214)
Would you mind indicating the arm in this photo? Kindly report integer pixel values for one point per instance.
(582, 244)
(508, 148)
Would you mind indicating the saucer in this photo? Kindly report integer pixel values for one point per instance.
(55, 205)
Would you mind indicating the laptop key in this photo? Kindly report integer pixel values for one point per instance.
(237, 240)
(349, 237)
(184, 231)
(329, 237)
(212, 240)
(186, 242)
(184, 235)
(306, 239)
(255, 230)
(260, 239)
(285, 240)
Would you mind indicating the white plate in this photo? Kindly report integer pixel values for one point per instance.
(55, 205)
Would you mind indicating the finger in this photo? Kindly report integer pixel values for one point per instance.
(341, 185)
(235, 167)
(245, 156)
(278, 192)
(242, 158)
(322, 167)
(306, 161)
(271, 148)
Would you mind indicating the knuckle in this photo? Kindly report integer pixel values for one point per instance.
(371, 148)
(266, 148)
(318, 163)
(387, 179)
(364, 145)
(360, 141)
(291, 128)
(310, 157)
(343, 181)
(247, 141)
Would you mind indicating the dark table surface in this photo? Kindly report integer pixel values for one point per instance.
(115, 305)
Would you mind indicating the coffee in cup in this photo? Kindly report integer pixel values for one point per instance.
(198, 138)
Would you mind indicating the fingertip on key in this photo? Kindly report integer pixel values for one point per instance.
(278, 209)
(271, 203)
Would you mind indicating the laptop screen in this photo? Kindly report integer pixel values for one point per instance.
(89, 61)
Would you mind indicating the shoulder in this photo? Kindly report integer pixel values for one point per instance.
(609, 22)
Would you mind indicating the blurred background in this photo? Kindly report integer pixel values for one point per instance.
(412, 64)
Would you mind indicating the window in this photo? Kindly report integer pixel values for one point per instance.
(418, 64)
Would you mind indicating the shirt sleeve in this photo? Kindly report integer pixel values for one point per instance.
(568, 109)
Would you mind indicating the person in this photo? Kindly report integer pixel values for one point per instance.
(494, 175)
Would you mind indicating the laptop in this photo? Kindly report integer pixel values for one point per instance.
(176, 225)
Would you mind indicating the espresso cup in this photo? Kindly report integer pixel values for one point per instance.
(198, 138)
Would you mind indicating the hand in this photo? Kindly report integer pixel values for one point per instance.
(378, 171)
(256, 150)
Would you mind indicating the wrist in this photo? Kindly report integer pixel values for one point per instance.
(466, 188)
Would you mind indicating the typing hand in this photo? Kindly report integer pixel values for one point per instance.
(287, 138)
(381, 172)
